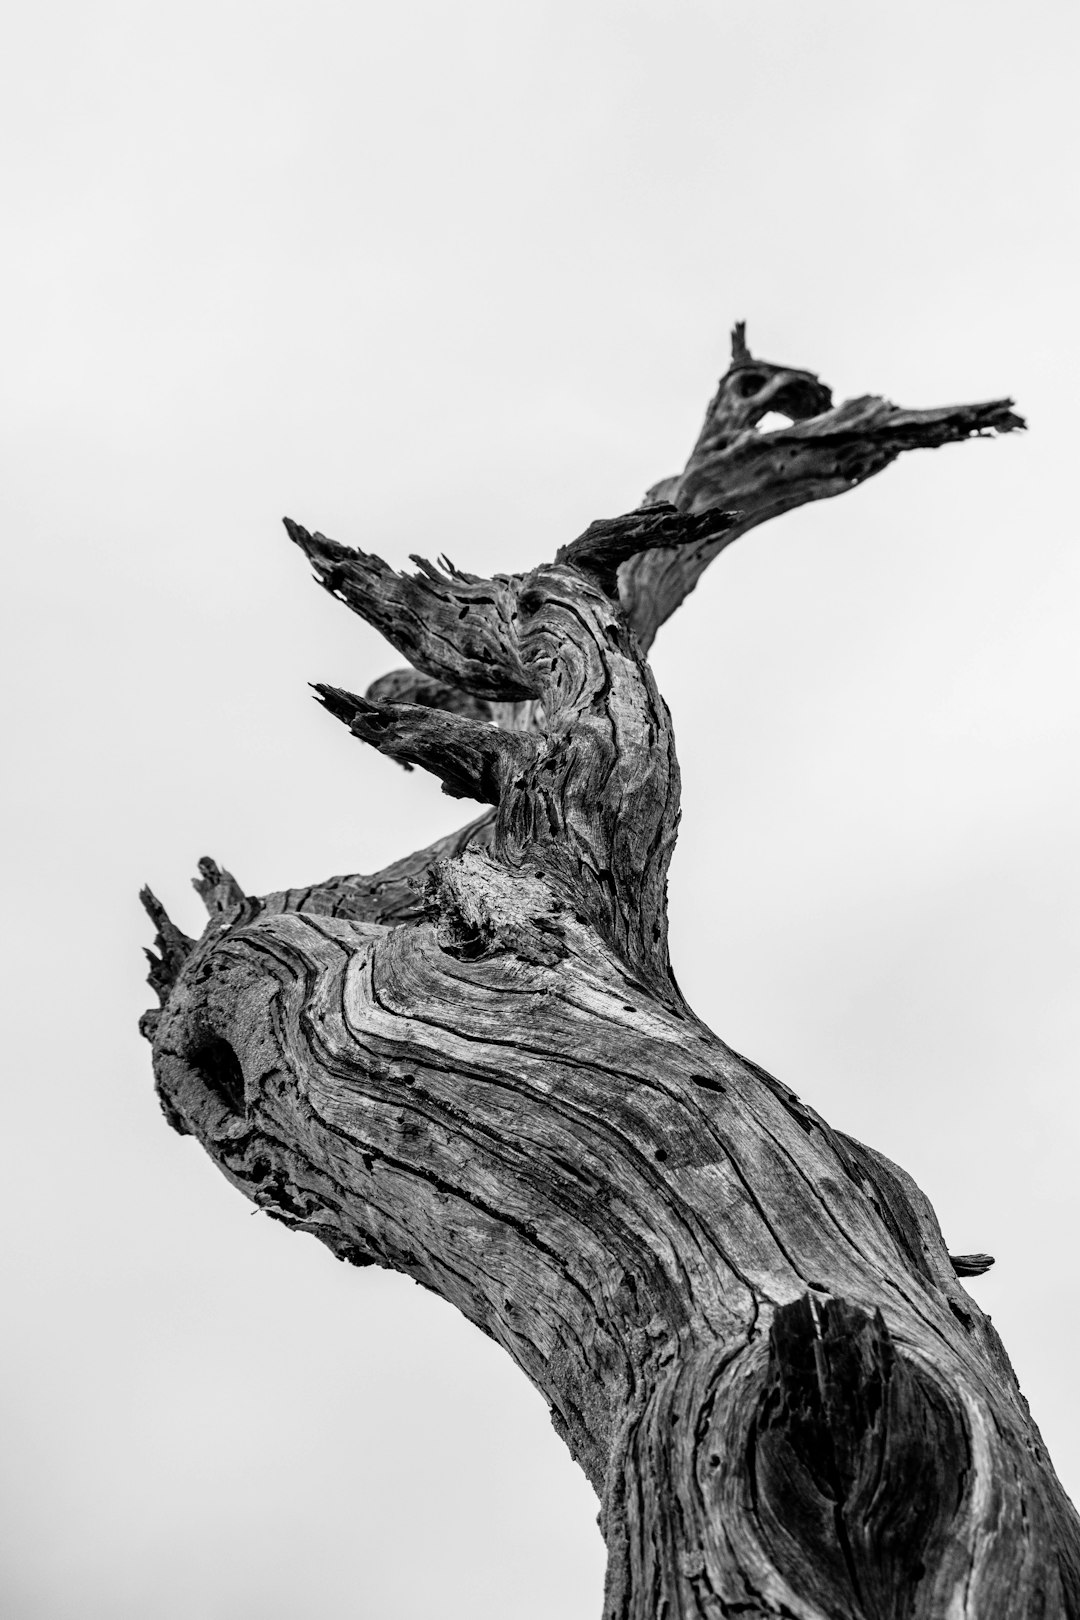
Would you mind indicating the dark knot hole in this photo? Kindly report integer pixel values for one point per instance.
(218, 1067)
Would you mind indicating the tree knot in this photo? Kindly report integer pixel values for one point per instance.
(858, 1458)
(484, 910)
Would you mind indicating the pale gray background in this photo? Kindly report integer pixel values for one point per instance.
(459, 277)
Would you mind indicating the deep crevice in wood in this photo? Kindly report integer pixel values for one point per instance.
(219, 1070)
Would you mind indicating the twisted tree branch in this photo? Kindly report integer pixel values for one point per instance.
(476, 1067)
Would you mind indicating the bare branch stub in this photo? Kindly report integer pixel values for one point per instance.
(172, 947)
(472, 758)
(609, 542)
(476, 1067)
(217, 888)
(451, 626)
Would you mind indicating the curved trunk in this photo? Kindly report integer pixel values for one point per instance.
(477, 1068)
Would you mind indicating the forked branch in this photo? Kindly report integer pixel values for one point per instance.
(823, 451)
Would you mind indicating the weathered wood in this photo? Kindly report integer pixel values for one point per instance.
(824, 452)
(476, 1067)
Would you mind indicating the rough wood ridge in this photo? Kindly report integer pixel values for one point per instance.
(477, 1067)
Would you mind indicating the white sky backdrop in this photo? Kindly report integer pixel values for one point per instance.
(459, 277)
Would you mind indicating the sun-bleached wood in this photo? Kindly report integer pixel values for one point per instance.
(477, 1067)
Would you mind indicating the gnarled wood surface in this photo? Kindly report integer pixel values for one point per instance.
(476, 1067)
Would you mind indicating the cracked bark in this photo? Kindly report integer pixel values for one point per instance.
(477, 1067)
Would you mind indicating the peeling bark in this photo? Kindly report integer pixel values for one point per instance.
(476, 1067)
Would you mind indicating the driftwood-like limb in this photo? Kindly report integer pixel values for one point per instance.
(825, 451)
(472, 759)
(477, 1068)
(451, 626)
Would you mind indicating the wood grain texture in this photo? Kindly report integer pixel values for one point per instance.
(477, 1068)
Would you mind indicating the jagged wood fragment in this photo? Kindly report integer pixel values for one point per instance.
(217, 888)
(470, 757)
(451, 626)
(609, 542)
(172, 947)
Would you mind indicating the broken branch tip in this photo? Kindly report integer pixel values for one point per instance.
(740, 354)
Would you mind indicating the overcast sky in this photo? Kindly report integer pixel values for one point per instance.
(458, 277)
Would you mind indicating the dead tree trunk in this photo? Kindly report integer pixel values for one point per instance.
(477, 1067)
